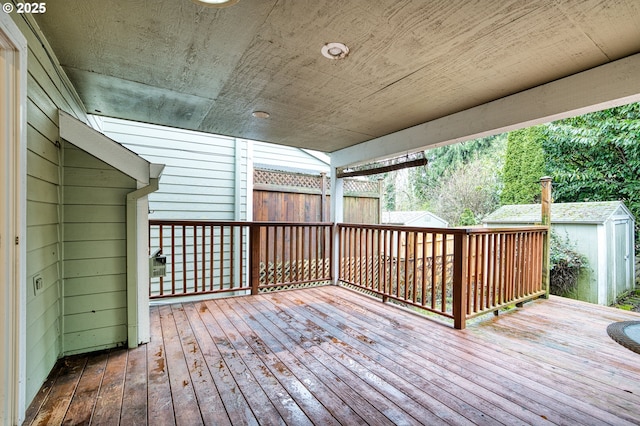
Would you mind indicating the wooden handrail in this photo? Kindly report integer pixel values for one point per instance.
(210, 256)
(456, 273)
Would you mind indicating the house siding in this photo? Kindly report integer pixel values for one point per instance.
(47, 91)
(286, 157)
(201, 171)
(95, 280)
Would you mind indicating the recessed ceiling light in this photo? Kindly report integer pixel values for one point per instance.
(261, 114)
(215, 3)
(335, 51)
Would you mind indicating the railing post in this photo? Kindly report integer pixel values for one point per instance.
(460, 243)
(546, 243)
(254, 253)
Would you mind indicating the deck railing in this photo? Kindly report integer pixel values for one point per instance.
(238, 257)
(455, 273)
(285, 255)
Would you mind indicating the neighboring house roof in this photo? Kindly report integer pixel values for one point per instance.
(587, 212)
(408, 217)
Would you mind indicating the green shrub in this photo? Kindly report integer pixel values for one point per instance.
(566, 264)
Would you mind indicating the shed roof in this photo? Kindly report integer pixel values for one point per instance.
(585, 212)
(405, 217)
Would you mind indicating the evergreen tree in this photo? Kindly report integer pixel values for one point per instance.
(523, 166)
(596, 157)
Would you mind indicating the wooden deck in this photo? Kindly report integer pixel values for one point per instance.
(330, 356)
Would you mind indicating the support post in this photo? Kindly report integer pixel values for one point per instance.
(254, 257)
(460, 244)
(337, 216)
(380, 198)
(546, 242)
(323, 199)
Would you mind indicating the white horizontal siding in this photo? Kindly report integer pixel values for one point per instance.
(287, 157)
(199, 179)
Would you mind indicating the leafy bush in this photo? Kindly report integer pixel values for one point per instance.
(566, 264)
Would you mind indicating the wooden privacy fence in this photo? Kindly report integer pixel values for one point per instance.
(455, 273)
(238, 257)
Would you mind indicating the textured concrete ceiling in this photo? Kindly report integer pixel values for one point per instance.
(172, 62)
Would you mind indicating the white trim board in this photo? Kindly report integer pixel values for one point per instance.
(104, 148)
(13, 234)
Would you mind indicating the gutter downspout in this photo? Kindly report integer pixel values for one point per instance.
(135, 272)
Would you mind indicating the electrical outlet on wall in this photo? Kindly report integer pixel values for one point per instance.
(38, 284)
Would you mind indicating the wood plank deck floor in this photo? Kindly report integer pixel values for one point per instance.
(330, 356)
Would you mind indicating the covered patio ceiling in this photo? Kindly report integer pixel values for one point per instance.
(176, 63)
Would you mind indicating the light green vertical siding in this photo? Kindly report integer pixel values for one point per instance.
(94, 261)
(47, 91)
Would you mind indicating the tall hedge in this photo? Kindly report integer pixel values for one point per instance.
(523, 166)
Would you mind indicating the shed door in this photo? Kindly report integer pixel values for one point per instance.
(622, 257)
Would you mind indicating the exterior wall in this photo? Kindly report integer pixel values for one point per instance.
(287, 157)
(428, 221)
(201, 174)
(94, 259)
(47, 91)
(620, 251)
(585, 238)
(205, 178)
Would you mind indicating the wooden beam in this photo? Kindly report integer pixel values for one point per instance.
(375, 169)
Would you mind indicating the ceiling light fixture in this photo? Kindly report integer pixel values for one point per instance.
(335, 51)
(261, 114)
(216, 3)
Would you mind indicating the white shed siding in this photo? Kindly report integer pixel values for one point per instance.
(199, 180)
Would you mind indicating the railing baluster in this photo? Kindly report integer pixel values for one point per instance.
(161, 239)
(173, 259)
(434, 270)
(221, 257)
(444, 273)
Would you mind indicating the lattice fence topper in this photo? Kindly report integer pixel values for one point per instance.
(300, 180)
(288, 179)
(361, 186)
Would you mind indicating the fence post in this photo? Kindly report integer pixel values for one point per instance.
(546, 242)
(323, 197)
(460, 260)
(254, 253)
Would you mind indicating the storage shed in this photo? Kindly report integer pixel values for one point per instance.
(602, 231)
(414, 218)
